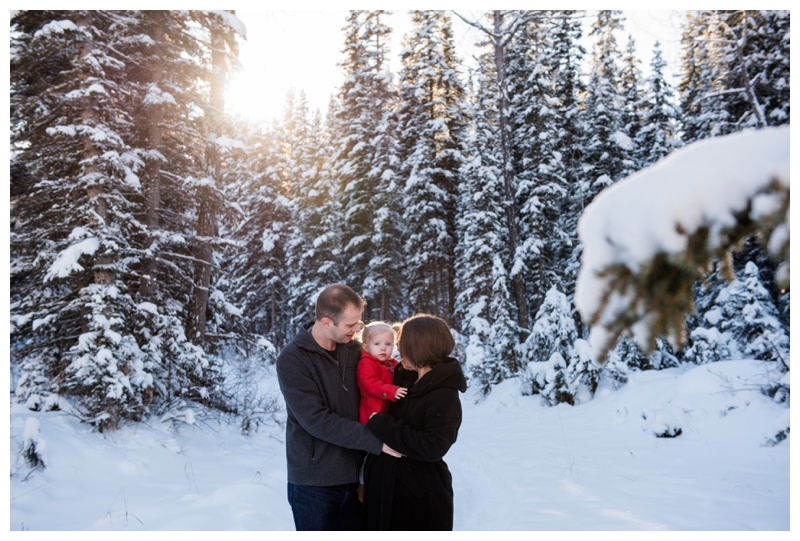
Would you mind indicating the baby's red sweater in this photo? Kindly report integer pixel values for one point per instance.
(375, 385)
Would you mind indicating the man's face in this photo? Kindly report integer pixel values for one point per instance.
(349, 325)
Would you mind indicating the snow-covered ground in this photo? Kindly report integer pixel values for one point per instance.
(517, 465)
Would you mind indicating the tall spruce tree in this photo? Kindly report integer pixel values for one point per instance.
(567, 166)
(606, 145)
(432, 133)
(660, 117)
(503, 27)
(110, 133)
(71, 299)
(366, 163)
(540, 125)
(701, 81)
(313, 230)
(484, 304)
(735, 66)
(262, 228)
(631, 82)
(216, 35)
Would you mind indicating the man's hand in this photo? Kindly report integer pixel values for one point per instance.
(389, 451)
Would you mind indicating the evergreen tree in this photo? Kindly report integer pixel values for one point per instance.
(585, 375)
(659, 133)
(110, 130)
(633, 106)
(216, 36)
(567, 163)
(771, 61)
(735, 71)
(314, 228)
(71, 259)
(261, 228)
(550, 347)
(749, 316)
(606, 145)
(703, 77)
(538, 169)
(546, 88)
(484, 305)
(432, 131)
(366, 165)
(504, 27)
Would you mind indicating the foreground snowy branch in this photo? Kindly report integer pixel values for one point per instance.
(648, 238)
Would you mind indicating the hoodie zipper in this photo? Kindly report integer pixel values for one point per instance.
(343, 370)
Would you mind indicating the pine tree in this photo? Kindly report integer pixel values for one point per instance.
(69, 268)
(633, 107)
(217, 34)
(109, 130)
(504, 27)
(703, 77)
(771, 60)
(659, 133)
(432, 132)
(366, 166)
(735, 71)
(313, 235)
(484, 305)
(262, 230)
(567, 165)
(606, 145)
(544, 85)
(550, 347)
(750, 317)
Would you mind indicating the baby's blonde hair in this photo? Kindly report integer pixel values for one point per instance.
(377, 327)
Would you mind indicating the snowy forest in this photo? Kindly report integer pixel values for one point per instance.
(163, 251)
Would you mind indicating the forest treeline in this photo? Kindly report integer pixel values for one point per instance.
(162, 251)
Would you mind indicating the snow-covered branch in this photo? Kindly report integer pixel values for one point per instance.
(648, 238)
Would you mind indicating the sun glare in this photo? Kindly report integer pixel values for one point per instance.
(285, 51)
(301, 51)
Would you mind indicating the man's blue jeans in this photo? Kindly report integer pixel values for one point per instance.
(325, 508)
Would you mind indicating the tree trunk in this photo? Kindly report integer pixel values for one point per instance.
(102, 268)
(207, 211)
(510, 197)
(152, 176)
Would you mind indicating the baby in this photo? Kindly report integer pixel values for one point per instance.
(376, 369)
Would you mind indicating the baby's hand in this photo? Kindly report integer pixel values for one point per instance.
(401, 392)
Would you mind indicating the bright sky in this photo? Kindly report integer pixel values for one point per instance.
(301, 50)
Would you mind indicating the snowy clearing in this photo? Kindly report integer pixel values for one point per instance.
(516, 465)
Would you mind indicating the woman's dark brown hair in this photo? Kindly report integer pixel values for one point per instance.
(425, 340)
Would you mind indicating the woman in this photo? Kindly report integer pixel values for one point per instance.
(416, 492)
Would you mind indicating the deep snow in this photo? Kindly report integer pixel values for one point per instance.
(517, 465)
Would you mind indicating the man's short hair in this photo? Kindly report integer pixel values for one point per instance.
(332, 301)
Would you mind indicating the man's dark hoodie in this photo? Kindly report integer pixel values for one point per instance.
(325, 443)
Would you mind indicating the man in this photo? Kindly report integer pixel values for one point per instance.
(325, 443)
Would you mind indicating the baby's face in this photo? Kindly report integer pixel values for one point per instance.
(380, 345)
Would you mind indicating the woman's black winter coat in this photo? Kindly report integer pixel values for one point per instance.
(415, 492)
